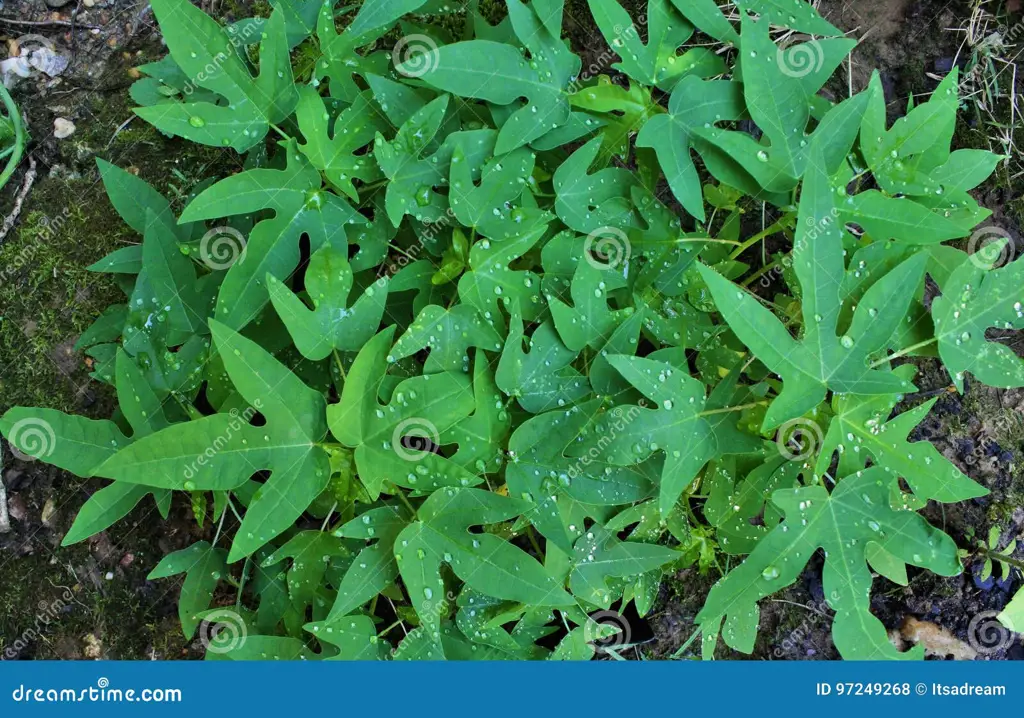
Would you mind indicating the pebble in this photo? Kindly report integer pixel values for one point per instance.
(63, 127)
(49, 513)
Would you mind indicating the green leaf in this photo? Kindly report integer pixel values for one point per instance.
(375, 14)
(694, 104)
(330, 324)
(491, 282)
(487, 563)
(861, 430)
(222, 451)
(823, 359)
(655, 62)
(565, 488)
(843, 524)
(374, 568)
(481, 436)
(589, 321)
(388, 439)
(674, 427)
(543, 378)
(592, 202)
(498, 73)
(490, 207)
(448, 334)
(207, 53)
(975, 299)
(334, 154)
(203, 566)
(799, 15)
(776, 85)
(599, 558)
(299, 206)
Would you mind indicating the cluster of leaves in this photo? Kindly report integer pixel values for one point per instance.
(487, 362)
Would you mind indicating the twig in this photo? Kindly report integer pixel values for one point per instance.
(49, 23)
(12, 218)
(118, 130)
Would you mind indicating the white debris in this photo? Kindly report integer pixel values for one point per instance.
(62, 128)
(33, 58)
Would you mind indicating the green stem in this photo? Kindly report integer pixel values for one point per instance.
(533, 540)
(996, 556)
(769, 231)
(706, 240)
(220, 525)
(762, 271)
(19, 135)
(341, 369)
(902, 352)
(404, 499)
(727, 409)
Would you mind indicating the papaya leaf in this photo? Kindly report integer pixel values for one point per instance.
(823, 359)
(843, 523)
(330, 325)
(977, 299)
(208, 54)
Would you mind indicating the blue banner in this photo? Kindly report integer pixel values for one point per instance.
(491, 689)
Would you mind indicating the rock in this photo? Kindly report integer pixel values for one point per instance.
(5, 517)
(16, 507)
(49, 513)
(936, 640)
(55, 4)
(93, 646)
(63, 128)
